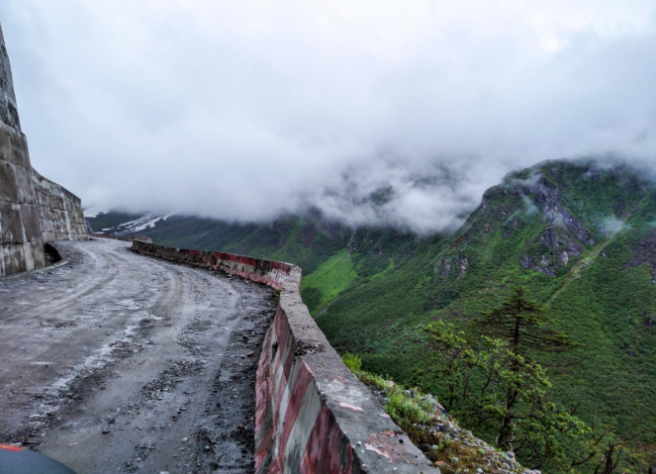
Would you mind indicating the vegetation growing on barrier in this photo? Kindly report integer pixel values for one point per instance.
(451, 448)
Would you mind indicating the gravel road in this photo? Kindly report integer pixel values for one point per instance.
(117, 362)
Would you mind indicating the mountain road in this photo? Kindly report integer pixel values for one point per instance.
(116, 362)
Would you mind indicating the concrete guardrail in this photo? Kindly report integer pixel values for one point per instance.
(312, 414)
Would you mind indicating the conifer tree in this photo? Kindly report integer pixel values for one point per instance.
(494, 386)
(521, 323)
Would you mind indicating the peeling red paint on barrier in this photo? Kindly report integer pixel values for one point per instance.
(312, 415)
(323, 453)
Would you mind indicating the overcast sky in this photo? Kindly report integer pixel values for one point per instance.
(252, 108)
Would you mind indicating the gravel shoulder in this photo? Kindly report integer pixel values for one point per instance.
(117, 362)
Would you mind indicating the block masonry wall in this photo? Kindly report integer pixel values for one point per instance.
(60, 211)
(21, 245)
(312, 414)
(29, 204)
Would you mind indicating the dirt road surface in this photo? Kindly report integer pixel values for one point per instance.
(117, 362)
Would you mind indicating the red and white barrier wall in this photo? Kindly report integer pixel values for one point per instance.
(312, 414)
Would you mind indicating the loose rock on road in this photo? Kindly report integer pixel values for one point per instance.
(117, 362)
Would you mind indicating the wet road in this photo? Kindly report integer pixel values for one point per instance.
(117, 362)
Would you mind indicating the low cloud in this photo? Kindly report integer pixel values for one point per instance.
(389, 112)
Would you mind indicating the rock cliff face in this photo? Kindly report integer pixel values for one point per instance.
(556, 226)
(33, 209)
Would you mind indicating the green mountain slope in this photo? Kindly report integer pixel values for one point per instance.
(581, 238)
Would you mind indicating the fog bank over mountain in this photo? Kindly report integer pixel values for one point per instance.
(377, 112)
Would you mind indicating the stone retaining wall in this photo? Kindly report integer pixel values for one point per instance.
(60, 211)
(21, 244)
(33, 210)
(312, 415)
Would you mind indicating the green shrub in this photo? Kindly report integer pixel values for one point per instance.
(352, 361)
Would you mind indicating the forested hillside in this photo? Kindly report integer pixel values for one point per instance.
(582, 241)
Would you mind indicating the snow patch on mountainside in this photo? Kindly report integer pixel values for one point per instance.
(147, 221)
(134, 225)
